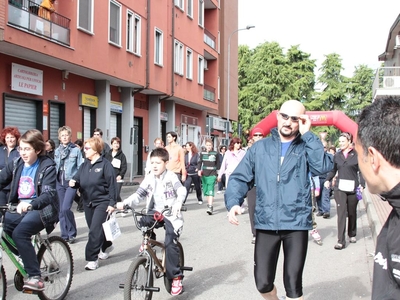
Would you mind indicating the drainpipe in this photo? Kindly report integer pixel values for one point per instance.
(172, 55)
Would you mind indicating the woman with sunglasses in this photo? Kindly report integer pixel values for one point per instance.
(98, 186)
(348, 179)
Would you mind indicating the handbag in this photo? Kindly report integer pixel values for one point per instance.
(111, 228)
(359, 193)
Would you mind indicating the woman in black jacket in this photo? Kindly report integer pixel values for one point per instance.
(348, 179)
(118, 161)
(32, 179)
(191, 161)
(96, 181)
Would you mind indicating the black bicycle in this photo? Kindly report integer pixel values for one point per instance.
(150, 263)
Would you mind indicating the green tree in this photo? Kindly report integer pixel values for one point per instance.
(359, 91)
(268, 77)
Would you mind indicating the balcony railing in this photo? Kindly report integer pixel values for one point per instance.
(26, 14)
(209, 39)
(209, 93)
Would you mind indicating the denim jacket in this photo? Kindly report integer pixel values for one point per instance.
(72, 161)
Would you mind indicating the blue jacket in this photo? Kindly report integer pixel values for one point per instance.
(283, 200)
(71, 163)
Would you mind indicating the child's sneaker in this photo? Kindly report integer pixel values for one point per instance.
(176, 287)
(34, 283)
(210, 209)
(315, 235)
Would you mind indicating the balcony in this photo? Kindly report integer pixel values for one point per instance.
(25, 15)
(209, 93)
(209, 39)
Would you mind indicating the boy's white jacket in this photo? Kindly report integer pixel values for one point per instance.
(173, 196)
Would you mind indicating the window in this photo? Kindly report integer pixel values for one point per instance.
(189, 64)
(179, 3)
(200, 70)
(133, 33)
(178, 49)
(85, 15)
(189, 9)
(158, 47)
(201, 13)
(115, 23)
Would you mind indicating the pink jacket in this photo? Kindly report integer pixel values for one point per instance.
(230, 162)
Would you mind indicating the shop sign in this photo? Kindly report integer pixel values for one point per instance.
(116, 107)
(88, 100)
(26, 80)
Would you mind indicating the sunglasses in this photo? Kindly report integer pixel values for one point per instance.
(257, 134)
(238, 143)
(292, 118)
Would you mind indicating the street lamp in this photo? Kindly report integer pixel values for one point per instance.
(248, 27)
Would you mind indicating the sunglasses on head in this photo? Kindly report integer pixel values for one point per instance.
(346, 135)
(292, 118)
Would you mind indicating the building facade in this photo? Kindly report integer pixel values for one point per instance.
(135, 69)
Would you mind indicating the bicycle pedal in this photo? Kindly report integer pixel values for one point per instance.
(187, 268)
(152, 289)
(30, 292)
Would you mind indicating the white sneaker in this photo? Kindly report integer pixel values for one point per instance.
(106, 253)
(219, 192)
(92, 265)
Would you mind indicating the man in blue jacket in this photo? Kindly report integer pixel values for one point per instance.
(279, 165)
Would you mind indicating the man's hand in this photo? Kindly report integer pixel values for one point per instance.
(120, 205)
(235, 210)
(183, 178)
(327, 184)
(71, 183)
(304, 124)
(23, 207)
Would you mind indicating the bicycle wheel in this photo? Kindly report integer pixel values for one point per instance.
(168, 282)
(136, 280)
(57, 267)
(3, 284)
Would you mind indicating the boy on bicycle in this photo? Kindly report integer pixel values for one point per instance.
(162, 188)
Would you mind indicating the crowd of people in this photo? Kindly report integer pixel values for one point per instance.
(301, 169)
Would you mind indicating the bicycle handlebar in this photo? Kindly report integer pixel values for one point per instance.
(158, 216)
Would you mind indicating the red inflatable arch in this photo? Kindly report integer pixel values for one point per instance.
(318, 118)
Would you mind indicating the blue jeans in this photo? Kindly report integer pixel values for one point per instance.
(66, 197)
(324, 200)
(21, 228)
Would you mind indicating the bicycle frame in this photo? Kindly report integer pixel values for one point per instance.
(10, 254)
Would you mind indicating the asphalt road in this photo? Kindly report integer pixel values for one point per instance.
(221, 255)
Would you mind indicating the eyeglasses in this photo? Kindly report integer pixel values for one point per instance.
(258, 134)
(26, 149)
(292, 118)
(87, 148)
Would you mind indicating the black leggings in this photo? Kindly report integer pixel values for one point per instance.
(266, 253)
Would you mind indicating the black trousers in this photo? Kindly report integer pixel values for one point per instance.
(197, 186)
(346, 205)
(95, 217)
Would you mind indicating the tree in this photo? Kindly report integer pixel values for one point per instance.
(359, 91)
(268, 77)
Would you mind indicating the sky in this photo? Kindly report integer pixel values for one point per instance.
(357, 30)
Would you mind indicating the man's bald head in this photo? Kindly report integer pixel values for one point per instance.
(293, 108)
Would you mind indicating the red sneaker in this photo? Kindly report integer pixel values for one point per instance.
(176, 288)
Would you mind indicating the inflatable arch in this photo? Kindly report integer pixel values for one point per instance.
(318, 118)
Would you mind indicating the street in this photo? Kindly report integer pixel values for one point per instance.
(221, 255)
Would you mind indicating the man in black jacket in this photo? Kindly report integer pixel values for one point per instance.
(377, 145)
